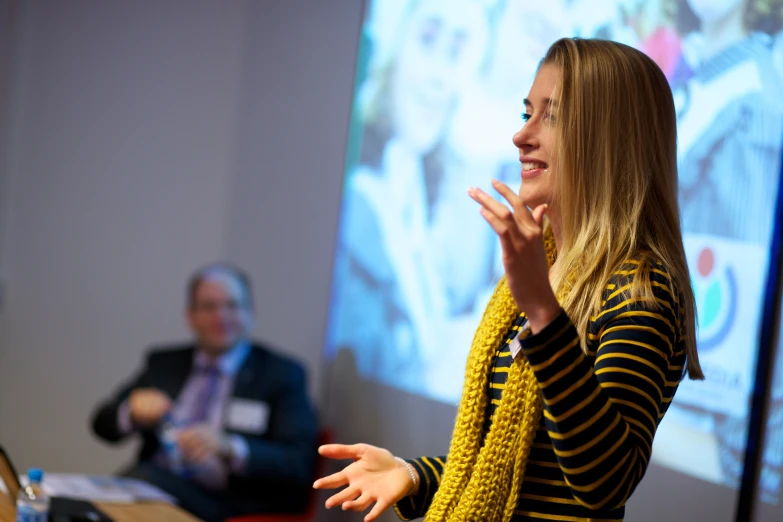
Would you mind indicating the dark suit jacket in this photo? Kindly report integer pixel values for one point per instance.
(279, 469)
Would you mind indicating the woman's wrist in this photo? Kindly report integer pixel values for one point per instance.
(414, 489)
(542, 316)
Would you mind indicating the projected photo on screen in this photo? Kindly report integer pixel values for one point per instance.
(439, 92)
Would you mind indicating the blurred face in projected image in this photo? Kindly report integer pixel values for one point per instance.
(524, 33)
(434, 51)
(536, 140)
(715, 11)
(220, 314)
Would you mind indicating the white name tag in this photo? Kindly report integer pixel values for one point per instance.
(516, 346)
(248, 416)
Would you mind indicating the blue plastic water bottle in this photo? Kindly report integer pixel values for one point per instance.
(32, 503)
(168, 440)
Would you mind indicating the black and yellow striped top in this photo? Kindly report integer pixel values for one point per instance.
(601, 409)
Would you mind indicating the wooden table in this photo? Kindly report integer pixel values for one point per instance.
(138, 512)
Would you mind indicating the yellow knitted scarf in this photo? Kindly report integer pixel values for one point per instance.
(483, 482)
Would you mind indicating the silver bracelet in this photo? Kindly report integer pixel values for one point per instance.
(410, 472)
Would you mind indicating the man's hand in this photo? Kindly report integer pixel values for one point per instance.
(201, 442)
(148, 406)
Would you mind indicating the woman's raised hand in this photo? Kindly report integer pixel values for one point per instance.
(521, 233)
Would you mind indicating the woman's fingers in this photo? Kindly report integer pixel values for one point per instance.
(521, 212)
(508, 194)
(491, 204)
(360, 504)
(376, 511)
(335, 480)
(341, 451)
(515, 222)
(495, 222)
(348, 493)
(538, 214)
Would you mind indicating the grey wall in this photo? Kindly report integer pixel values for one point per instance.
(293, 123)
(7, 41)
(121, 149)
(147, 138)
(143, 139)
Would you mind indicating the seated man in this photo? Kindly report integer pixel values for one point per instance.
(238, 427)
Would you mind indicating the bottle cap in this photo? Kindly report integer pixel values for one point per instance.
(35, 474)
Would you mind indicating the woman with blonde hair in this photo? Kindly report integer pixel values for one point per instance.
(582, 346)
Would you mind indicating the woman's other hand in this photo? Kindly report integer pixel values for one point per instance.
(375, 476)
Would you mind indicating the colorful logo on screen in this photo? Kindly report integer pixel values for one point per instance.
(716, 300)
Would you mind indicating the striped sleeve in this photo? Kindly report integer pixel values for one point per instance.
(602, 417)
(430, 470)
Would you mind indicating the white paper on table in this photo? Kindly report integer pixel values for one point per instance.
(103, 488)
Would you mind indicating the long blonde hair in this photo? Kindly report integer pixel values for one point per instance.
(616, 180)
